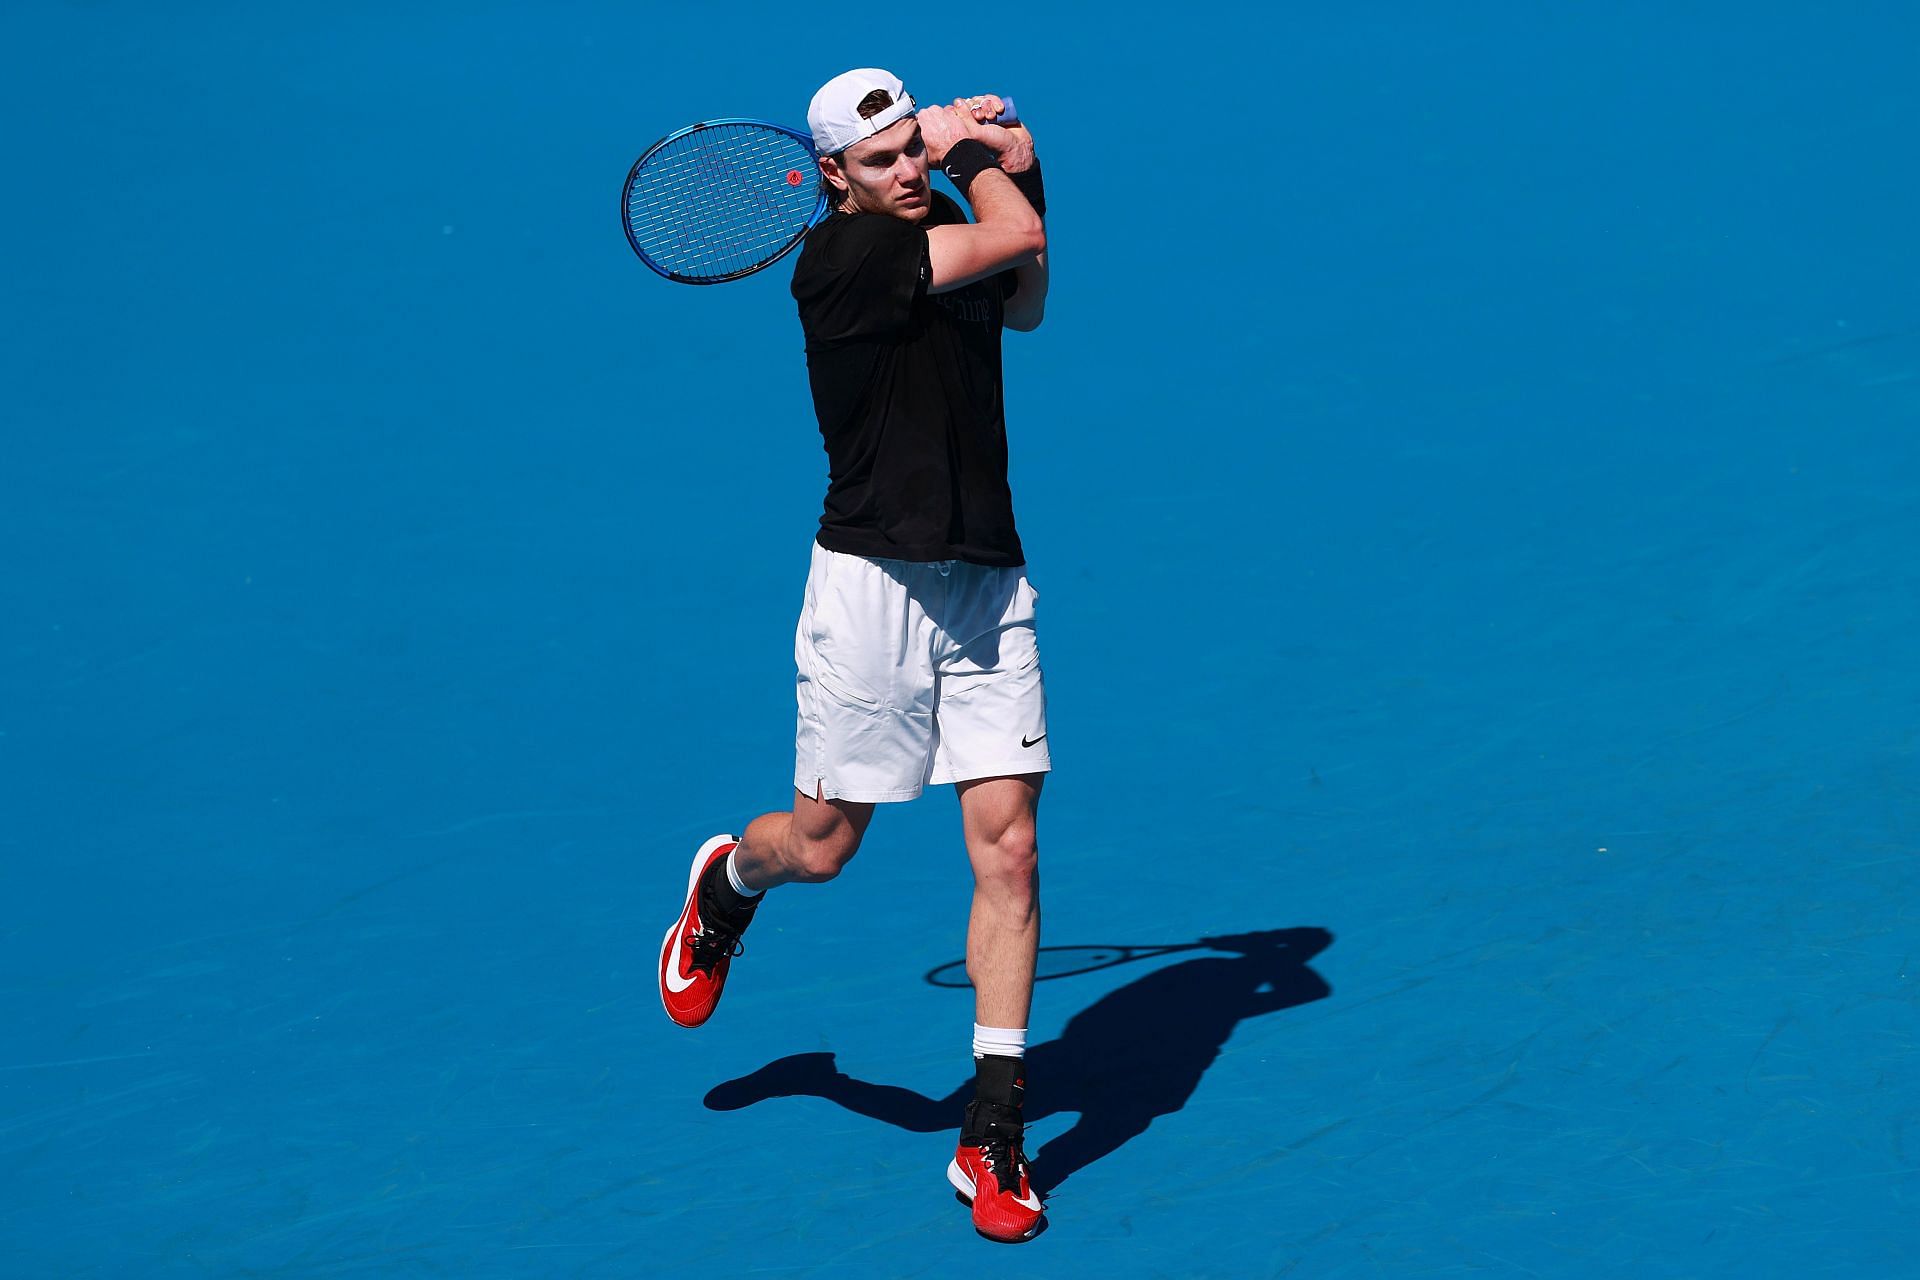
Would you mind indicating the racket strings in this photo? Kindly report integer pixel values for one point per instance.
(722, 200)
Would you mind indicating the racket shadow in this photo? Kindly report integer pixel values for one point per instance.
(1135, 1054)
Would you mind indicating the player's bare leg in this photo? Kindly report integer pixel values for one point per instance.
(724, 888)
(999, 817)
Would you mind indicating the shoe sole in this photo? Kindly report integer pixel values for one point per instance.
(958, 1177)
(700, 860)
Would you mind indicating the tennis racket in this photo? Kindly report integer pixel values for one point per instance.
(722, 199)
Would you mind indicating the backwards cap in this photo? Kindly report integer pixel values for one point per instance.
(834, 114)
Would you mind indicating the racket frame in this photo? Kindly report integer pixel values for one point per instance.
(626, 195)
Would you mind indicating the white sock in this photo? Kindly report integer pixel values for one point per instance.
(999, 1042)
(733, 877)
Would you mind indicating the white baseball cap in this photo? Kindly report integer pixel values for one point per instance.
(834, 114)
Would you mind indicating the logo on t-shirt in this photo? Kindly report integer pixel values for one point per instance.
(972, 309)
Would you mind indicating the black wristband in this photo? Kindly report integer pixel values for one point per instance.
(966, 160)
(1028, 180)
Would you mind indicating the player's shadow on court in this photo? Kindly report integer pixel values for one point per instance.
(1133, 1055)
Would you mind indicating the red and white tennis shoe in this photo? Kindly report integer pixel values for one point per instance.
(697, 950)
(990, 1171)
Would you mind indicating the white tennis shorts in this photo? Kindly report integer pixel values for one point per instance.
(912, 674)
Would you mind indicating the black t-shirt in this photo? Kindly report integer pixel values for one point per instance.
(907, 388)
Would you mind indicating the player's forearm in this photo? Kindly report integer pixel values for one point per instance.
(1028, 305)
(998, 203)
(1005, 233)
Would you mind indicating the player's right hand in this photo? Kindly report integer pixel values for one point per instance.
(1013, 145)
(940, 128)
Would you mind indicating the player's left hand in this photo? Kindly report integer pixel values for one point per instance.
(983, 107)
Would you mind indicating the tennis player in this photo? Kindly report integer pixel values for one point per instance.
(916, 651)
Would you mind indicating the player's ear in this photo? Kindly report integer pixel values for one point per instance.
(830, 173)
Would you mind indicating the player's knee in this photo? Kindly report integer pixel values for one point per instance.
(821, 858)
(1011, 861)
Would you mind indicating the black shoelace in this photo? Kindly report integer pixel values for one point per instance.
(717, 938)
(1000, 1144)
(1002, 1154)
(711, 945)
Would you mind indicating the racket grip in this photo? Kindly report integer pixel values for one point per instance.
(1008, 117)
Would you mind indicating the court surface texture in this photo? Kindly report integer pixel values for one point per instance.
(1469, 468)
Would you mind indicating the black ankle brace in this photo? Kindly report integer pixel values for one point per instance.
(1000, 1080)
(727, 901)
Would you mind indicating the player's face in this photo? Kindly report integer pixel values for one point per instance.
(886, 173)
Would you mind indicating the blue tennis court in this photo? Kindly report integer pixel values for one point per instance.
(1470, 469)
